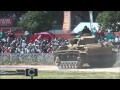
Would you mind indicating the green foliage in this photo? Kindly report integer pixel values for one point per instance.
(36, 21)
(65, 75)
(109, 19)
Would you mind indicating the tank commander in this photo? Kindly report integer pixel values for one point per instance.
(86, 31)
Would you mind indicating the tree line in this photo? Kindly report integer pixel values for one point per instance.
(38, 21)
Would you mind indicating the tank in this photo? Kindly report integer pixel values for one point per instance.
(84, 50)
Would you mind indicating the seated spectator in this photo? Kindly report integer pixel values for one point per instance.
(1, 51)
(110, 36)
(17, 50)
(6, 51)
(37, 49)
(22, 51)
(27, 49)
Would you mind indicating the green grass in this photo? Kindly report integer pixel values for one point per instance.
(61, 75)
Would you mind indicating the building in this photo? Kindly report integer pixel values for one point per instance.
(9, 19)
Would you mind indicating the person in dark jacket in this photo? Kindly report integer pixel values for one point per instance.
(86, 30)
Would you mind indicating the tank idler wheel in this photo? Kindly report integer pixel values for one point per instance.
(79, 64)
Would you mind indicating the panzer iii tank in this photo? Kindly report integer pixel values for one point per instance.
(84, 50)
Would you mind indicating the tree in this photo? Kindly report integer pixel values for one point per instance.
(36, 21)
(109, 19)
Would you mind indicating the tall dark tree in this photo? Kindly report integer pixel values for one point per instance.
(109, 19)
(37, 21)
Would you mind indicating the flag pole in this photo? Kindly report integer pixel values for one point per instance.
(91, 19)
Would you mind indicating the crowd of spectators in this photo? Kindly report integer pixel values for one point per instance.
(10, 44)
(100, 36)
(109, 39)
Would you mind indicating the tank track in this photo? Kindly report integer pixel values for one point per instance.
(71, 62)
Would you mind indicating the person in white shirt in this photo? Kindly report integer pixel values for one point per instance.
(109, 30)
(23, 44)
(116, 39)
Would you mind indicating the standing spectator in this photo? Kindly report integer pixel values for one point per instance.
(27, 36)
(102, 35)
(14, 43)
(8, 40)
(109, 30)
(2, 34)
(99, 34)
(94, 32)
(21, 39)
(11, 35)
(23, 44)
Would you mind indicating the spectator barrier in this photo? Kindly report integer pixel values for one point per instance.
(36, 59)
(33, 59)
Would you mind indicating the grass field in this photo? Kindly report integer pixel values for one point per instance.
(61, 75)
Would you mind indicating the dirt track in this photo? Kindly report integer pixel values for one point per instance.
(54, 68)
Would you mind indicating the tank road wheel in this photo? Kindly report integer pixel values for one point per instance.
(57, 61)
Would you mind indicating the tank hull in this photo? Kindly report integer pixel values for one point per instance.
(74, 59)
